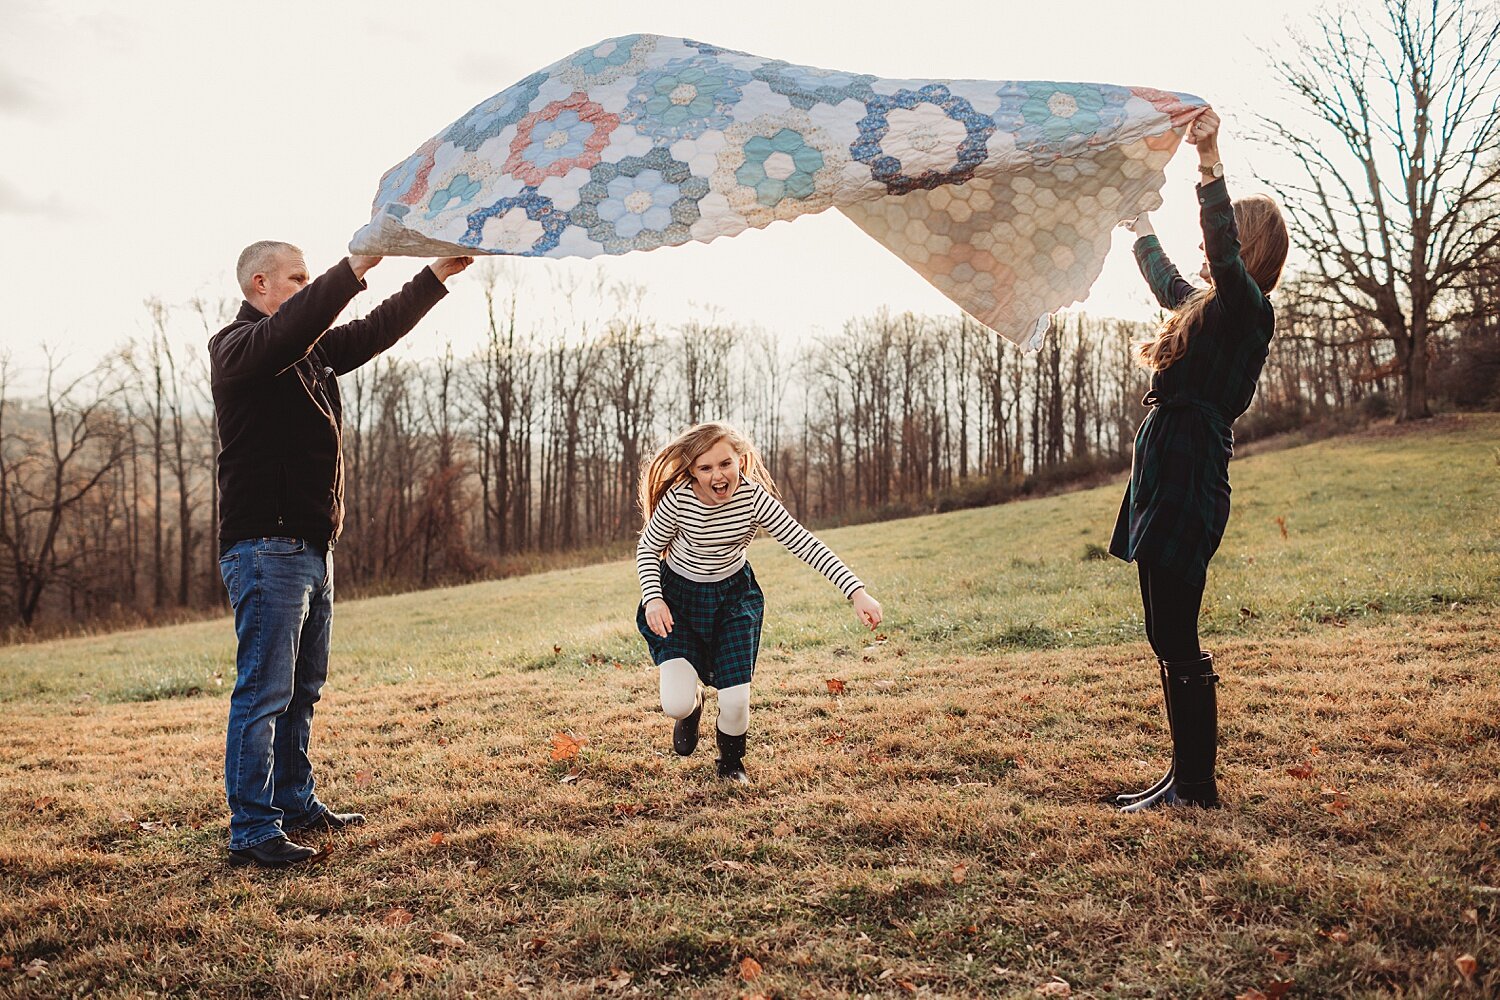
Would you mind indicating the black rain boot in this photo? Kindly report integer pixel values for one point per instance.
(1129, 798)
(685, 730)
(731, 760)
(1194, 710)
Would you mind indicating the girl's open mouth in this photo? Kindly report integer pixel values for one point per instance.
(721, 490)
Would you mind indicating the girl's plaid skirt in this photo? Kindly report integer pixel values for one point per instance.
(715, 626)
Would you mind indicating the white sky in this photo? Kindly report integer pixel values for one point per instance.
(142, 145)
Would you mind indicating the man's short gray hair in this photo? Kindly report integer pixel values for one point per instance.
(257, 258)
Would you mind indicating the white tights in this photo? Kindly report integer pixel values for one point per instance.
(679, 696)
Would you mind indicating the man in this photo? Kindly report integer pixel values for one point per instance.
(281, 483)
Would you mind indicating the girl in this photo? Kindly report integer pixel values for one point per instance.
(1205, 362)
(703, 497)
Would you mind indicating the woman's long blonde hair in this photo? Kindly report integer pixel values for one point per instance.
(1263, 248)
(673, 464)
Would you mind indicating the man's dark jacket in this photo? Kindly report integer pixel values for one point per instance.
(281, 469)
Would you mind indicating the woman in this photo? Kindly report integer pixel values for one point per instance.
(1205, 362)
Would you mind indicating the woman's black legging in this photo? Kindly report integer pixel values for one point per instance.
(1171, 605)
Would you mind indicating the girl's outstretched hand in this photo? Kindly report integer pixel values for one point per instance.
(659, 616)
(866, 608)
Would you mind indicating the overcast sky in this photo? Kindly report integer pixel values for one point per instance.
(143, 145)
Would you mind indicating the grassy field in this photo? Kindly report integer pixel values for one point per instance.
(935, 829)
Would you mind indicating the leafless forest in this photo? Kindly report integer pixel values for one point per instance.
(525, 453)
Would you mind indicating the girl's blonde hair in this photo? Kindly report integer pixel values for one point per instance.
(1263, 248)
(672, 465)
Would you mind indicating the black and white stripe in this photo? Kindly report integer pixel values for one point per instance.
(707, 542)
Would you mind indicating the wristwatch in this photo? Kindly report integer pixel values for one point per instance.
(1212, 173)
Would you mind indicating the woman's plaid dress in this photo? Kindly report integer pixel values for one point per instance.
(1177, 503)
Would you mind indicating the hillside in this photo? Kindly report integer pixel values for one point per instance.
(935, 829)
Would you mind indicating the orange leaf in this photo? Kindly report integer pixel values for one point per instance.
(44, 802)
(363, 778)
(398, 917)
(565, 746)
(907, 985)
(436, 838)
(835, 685)
(960, 872)
(1280, 956)
(1467, 965)
(442, 741)
(749, 969)
(556, 650)
(1300, 771)
(446, 940)
(1055, 988)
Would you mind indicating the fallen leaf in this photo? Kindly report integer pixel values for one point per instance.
(1467, 965)
(1471, 915)
(36, 968)
(7, 963)
(1280, 956)
(749, 969)
(834, 738)
(835, 685)
(1484, 826)
(446, 939)
(960, 872)
(1337, 935)
(572, 776)
(725, 866)
(618, 980)
(1279, 988)
(363, 778)
(436, 839)
(442, 741)
(535, 944)
(556, 650)
(782, 829)
(400, 916)
(565, 746)
(1055, 988)
(1300, 771)
(44, 802)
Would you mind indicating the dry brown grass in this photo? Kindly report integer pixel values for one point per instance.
(934, 830)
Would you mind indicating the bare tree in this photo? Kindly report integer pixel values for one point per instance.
(1398, 209)
(48, 468)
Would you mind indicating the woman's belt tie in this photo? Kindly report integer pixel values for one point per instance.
(1158, 400)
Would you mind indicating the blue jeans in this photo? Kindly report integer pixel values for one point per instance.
(281, 590)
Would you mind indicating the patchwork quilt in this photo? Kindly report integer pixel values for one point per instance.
(1002, 194)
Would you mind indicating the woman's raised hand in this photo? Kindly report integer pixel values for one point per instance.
(659, 616)
(1140, 225)
(1204, 131)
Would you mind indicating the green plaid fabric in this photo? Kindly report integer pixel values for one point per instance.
(1177, 504)
(715, 626)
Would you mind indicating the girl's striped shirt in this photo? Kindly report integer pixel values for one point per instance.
(707, 542)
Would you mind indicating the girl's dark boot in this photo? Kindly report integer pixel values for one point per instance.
(685, 731)
(1193, 707)
(1127, 798)
(731, 762)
